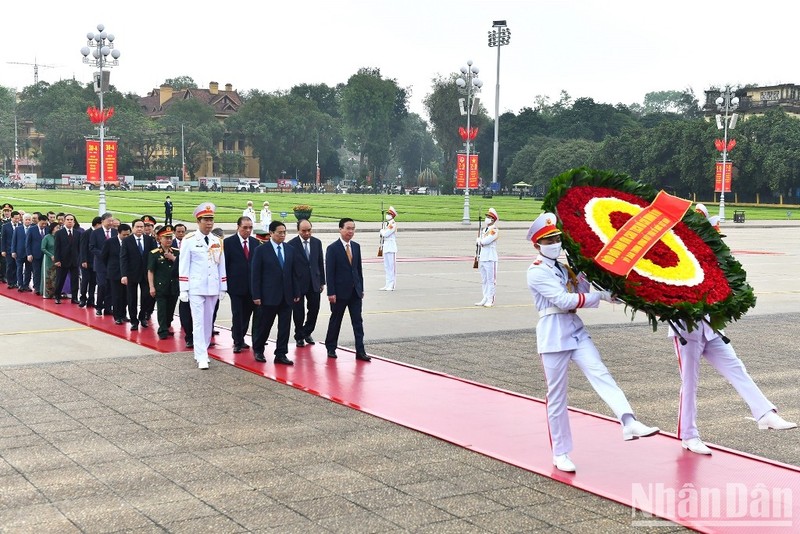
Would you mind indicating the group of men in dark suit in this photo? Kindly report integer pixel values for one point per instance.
(284, 280)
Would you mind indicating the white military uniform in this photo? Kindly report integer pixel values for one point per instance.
(266, 219)
(389, 235)
(561, 338)
(703, 341)
(487, 263)
(250, 213)
(201, 272)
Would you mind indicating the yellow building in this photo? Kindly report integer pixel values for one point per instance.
(754, 101)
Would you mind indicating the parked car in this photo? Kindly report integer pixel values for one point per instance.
(247, 185)
(160, 185)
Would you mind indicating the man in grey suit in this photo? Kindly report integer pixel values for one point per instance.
(311, 282)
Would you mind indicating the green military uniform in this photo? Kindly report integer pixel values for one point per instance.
(165, 280)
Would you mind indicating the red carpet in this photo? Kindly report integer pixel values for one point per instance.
(727, 492)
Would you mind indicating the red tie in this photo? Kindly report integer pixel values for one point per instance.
(246, 250)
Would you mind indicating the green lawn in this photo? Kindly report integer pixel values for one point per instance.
(327, 207)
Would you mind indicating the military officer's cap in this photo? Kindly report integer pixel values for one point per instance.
(492, 213)
(543, 226)
(166, 230)
(206, 209)
(701, 209)
(391, 211)
(262, 235)
(7, 206)
(148, 219)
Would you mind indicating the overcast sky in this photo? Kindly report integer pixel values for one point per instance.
(611, 51)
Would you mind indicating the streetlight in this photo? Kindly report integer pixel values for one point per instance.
(498, 37)
(728, 103)
(100, 45)
(468, 82)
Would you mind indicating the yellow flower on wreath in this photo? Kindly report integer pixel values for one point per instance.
(686, 273)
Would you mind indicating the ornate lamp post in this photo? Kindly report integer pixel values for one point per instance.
(498, 37)
(101, 45)
(727, 102)
(469, 83)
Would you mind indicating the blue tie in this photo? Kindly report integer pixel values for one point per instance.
(280, 256)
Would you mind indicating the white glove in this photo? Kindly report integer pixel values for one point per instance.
(184, 296)
(222, 295)
(606, 296)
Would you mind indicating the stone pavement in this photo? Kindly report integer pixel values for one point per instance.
(112, 438)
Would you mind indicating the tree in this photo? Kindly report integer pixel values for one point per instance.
(414, 148)
(372, 108)
(181, 82)
(681, 103)
(326, 97)
(7, 111)
(202, 131)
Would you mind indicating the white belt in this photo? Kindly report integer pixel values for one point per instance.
(552, 311)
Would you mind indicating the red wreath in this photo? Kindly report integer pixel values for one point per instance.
(97, 115)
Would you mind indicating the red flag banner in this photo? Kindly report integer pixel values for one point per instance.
(92, 161)
(110, 161)
(728, 177)
(641, 233)
(461, 171)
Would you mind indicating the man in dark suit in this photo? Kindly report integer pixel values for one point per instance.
(311, 282)
(110, 257)
(6, 236)
(33, 248)
(239, 253)
(133, 271)
(97, 239)
(88, 275)
(345, 288)
(274, 289)
(65, 258)
(19, 255)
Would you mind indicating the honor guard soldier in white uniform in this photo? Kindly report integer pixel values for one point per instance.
(561, 338)
(389, 235)
(202, 278)
(703, 341)
(487, 261)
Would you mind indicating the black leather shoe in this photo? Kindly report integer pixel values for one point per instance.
(283, 360)
(57, 300)
(81, 303)
(363, 357)
(98, 313)
(162, 336)
(260, 357)
(215, 332)
(332, 355)
(134, 327)
(144, 323)
(300, 343)
(237, 349)
(245, 346)
(190, 344)
(310, 340)
(118, 321)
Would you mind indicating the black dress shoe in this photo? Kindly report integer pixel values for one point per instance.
(332, 355)
(283, 360)
(134, 327)
(118, 321)
(260, 357)
(74, 301)
(144, 323)
(237, 349)
(57, 300)
(245, 346)
(20, 290)
(39, 293)
(300, 343)
(363, 357)
(190, 344)
(215, 332)
(310, 340)
(81, 303)
(162, 336)
(98, 313)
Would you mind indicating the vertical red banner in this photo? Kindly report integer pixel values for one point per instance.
(461, 171)
(110, 161)
(92, 161)
(728, 177)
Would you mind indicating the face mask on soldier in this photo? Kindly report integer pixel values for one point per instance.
(550, 251)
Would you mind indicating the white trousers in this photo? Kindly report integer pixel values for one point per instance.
(202, 307)
(488, 270)
(390, 267)
(588, 360)
(723, 358)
